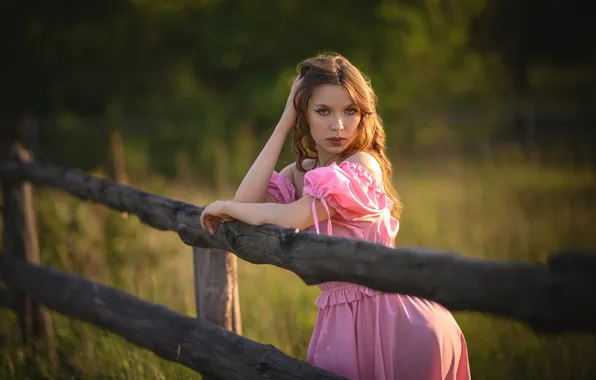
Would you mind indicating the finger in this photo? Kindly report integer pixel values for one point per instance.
(202, 220)
(205, 217)
(210, 225)
(216, 223)
(206, 221)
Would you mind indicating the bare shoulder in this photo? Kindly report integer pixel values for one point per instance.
(309, 163)
(289, 171)
(369, 162)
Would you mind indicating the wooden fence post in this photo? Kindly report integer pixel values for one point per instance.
(20, 238)
(236, 316)
(216, 287)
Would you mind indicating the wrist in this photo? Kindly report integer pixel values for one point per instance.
(227, 207)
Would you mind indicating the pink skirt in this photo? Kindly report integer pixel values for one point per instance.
(363, 334)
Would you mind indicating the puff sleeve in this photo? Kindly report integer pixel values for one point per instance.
(281, 188)
(350, 189)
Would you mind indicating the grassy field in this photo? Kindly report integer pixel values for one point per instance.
(510, 210)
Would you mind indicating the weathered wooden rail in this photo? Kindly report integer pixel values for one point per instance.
(559, 296)
(194, 342)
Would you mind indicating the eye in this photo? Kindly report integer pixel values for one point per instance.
(350, 111)
(322, 111)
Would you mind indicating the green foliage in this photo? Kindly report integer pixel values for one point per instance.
(429, 66)
(193, 76)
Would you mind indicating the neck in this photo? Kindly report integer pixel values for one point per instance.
(324, 159)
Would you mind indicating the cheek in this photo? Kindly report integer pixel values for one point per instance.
(316, 125)
(354, 122)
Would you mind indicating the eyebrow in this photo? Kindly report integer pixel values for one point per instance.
(325, 105)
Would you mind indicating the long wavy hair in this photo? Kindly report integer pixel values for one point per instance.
(333, 68)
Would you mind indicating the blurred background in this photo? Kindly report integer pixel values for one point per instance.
(489, 108)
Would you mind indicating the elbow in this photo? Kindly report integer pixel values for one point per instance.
(248, 198)
(244, 195)
(289, 225)
(283, 220)
(293, 221)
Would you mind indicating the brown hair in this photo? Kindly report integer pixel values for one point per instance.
(335, 69)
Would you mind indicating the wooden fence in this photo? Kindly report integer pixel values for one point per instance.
(558, 296)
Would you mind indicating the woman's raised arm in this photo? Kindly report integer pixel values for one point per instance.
(253, 188)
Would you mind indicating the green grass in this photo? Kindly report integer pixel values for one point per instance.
(496, 211)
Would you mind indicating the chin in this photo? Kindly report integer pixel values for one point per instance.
(335, 151)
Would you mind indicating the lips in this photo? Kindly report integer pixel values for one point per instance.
(336, 140)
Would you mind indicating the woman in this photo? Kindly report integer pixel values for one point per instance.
(340, 185)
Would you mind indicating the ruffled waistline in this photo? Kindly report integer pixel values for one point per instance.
(335, 293)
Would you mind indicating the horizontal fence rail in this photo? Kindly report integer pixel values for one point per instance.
(558, 296)
(195, 343)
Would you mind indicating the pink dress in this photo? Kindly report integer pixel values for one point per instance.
(361, 333)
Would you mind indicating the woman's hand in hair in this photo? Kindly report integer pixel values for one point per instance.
(288, 118)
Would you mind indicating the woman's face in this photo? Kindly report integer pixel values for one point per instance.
(333, 119)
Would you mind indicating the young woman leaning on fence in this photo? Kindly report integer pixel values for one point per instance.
(340, 185)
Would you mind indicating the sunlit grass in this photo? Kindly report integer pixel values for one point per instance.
(513, 211)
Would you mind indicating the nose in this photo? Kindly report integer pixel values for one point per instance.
(337, 124)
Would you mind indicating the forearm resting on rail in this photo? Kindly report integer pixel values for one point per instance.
(294, 215)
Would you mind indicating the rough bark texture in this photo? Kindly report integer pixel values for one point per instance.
(236, 315)
(215, 279)
(198, 344)
(214, 288)
(556, 297)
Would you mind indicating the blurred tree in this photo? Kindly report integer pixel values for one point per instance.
(549, 50)
(189, 76)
